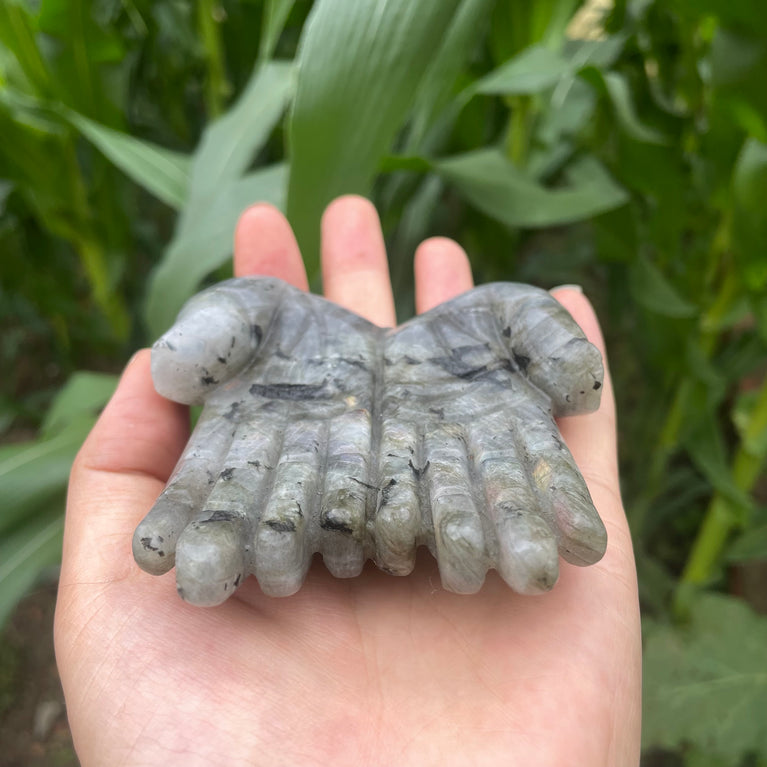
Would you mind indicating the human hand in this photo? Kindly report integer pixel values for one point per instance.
(375, 670)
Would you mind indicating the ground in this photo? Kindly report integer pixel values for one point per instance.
(33, 719)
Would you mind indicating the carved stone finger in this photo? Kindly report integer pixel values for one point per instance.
(155, 538)
(283, 546)
(540, 340)
(549, 348)
(397, 520)
(211, 560)
(215, 336)
(527, 557)
(213, 555)
(459, 537)
(564, 499)
(348, 492)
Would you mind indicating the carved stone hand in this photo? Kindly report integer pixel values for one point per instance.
(322, 432)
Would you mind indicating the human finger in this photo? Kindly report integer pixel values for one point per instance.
(264, 245)
(592, 438)
(442, 271)
(355, 272)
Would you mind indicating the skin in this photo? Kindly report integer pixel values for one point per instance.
(375, 670)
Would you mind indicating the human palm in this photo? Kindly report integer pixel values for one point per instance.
(373, 670)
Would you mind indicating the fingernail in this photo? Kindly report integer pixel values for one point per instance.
(573, 286)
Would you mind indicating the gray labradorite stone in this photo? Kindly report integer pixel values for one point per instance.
(324, 433)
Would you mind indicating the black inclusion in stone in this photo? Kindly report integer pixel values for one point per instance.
(520, 360)
(288, 391)
(331, 522)
(282, 525)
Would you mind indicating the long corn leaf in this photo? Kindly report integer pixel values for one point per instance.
(359, 67)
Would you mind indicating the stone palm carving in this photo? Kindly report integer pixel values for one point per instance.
(324, 433)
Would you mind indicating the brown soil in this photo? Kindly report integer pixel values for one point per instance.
(33, 720)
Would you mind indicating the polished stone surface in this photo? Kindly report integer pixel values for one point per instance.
(324, 433)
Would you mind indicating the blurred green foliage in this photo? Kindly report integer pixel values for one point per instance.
(625, 151)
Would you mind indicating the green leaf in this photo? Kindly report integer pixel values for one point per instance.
(616, 87)
(712, 377)
(437, 85)
(218, 193)
(541, 67)
(750, 424)
(160, 171)
(705, 444)
(738, 63)
(18, 33)
(558, 127)
(205, 244)
(83, 393)
(230, 143)
(359, 68)
(705, 684)
(24, 556)
(276, 13)
(749, 223)
(496, 187)
(31, 474)
(652, 290)
(740, 14)
(77, 62)
(750, 546)
(533, 70)
(594, 53)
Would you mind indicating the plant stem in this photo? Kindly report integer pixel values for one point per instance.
(722, 515)
(216, 86)
(668, 438)
(518, 138)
